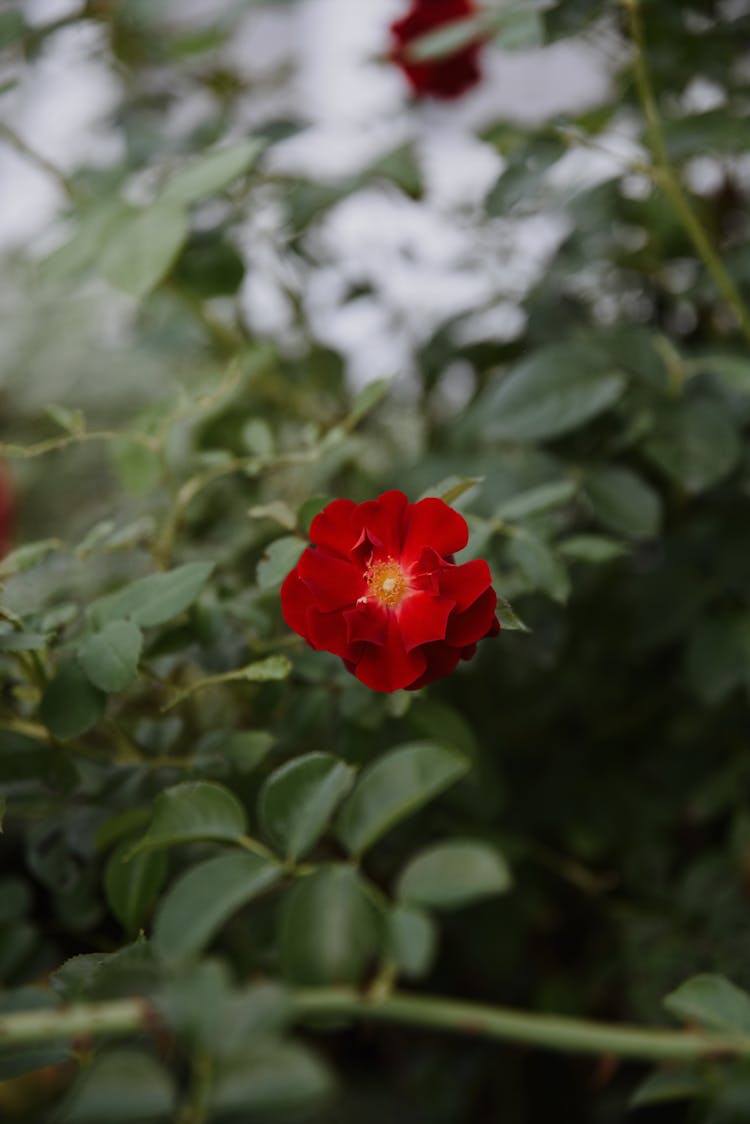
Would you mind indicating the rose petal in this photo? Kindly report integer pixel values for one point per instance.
(382, 522)
(474, 623)
(295, 603)
(368, 622)
(432, 523)
(328, 633)
(441, 660)
(465, 583)
(445, 77)
(423, 618)
(332, 527)
(333, 582)
(389, 667)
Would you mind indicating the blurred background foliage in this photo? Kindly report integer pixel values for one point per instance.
(194, 362)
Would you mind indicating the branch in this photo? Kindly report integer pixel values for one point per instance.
(554, 1032)
(664, 175)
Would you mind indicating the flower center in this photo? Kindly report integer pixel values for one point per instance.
(387, 582)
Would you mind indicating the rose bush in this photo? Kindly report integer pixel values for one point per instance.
(445, 77)
(237, 883)
(379, 588)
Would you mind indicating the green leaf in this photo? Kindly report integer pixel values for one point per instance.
(718, 656)
(622, 501)
(278, 559)
(395, 786)
(452, 488)
(12, 27)
(272, 1077)
(110, 657)
(277, 510)
(713, 1001)
(733, 371)
(596, 549)
(331, 929)
(538, 499)
(366, 400)
(454, 874)
(260, 671)
(155, 599)
(122, 1086)
(102, 975)
(26, 557)
(554, 391)
(297, 801)
(697, 444)
(81, 251)
(212, 171)
(509, 619)
(540, 567)
(203, 899)
(71, 705)
(665, 1086)
(71, 421)
(13, 641)
(411, 941)
(132, 887)
(199, 1003)
(447, 40)
(257, 437)
(520, 28)
(121, 824)
(268, 670)
(139, 469)
(194, 810)
(140, 249)
(225, 751)
(26, 1059)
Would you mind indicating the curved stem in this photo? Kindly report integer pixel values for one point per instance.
(664, 175)
(555, 1032)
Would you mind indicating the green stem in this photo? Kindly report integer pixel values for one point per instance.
(665, 176)
(120, 1017)
(197, 1108)
(555, 1032)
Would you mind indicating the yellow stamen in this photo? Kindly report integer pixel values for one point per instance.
(387, 582)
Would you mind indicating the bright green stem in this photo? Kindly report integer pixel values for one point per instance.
(665, 176)
(127, 1016)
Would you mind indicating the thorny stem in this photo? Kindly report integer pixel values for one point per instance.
(120, 1018)
(665, 177)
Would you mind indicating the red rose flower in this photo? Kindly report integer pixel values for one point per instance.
(446, 77)
(6, 510)
(379, 588)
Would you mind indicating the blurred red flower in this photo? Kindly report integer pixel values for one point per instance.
(446, 77)
(379, 588)
(6, 510)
